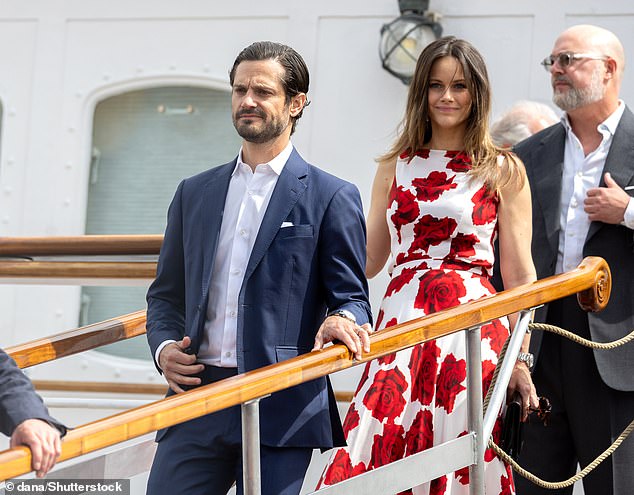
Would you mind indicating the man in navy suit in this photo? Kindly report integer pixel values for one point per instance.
(581, 173)
(24, 417)
(263, 259)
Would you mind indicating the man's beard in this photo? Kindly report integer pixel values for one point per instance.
(576, 98)
(269, 130)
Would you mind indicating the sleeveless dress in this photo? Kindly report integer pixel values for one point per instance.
(442, 225)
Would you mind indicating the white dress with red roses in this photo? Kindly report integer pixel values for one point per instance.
(442, 226)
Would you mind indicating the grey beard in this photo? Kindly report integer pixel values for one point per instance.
(576, 98)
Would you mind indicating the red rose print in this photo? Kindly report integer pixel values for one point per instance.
(463, 245)
(423, 365)
(341, 469)
(507, 484)
(438, 486)
(388, 359)
(411, 256)
(488, 368)
(385, 398)
(379, 319)
(388, 447)
(460, 162)
(462, 474)
(431, 231)
(420, 436)
(352, 419)
(400, 280)
(485, 207)
(391, 322)
(364, 376)
(452, 374)
(489, 453)
(456, 264)
(406, 208)
(496, 333)
(439, 290)
(431, 187)
(423, 153)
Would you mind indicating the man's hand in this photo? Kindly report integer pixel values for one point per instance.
(42, 439)
(606, 204)
(177, 365)
(357, 338)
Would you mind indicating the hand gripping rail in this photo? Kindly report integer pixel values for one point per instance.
(591, 280)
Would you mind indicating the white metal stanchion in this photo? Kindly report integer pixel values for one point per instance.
(474, 411)
(251, 447)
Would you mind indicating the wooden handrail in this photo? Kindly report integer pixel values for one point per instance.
(77, 270)
(592, 278)
(88, 245)
(131, 388)
(78, 340)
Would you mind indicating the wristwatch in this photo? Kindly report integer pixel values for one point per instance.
(526, 357)
(344, 313)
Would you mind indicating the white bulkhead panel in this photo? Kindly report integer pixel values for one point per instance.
(61, 61)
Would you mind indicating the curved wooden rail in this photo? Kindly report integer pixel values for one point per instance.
(232, 391)
(80, 271)
(88, 245)
(78, 340)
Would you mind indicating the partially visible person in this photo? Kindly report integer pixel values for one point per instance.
(581, 173)
(24, 417)
(263, 260)
(439, 198)
(522, 120)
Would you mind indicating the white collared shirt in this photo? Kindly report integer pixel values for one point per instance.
(247, 199)
(581, 173)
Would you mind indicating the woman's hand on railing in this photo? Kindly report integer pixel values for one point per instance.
(178, 365)
(355, 337)
(522, 382)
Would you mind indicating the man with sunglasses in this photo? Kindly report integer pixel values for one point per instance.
(581, 173)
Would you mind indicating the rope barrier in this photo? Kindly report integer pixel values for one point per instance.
(552, 485)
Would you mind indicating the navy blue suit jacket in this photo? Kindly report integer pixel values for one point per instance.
(18, 399)
(294, 276)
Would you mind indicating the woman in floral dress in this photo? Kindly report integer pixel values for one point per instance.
(440, 197)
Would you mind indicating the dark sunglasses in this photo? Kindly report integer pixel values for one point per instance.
(564, 59)
(543, 410)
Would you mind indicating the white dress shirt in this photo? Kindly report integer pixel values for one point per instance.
(248, 197)
(581, 173)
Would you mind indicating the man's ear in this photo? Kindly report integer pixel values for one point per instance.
(297, 104)
(611, 68)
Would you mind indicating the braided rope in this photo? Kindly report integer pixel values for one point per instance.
(600, 458)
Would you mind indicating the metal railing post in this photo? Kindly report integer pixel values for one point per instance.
(506, 369)
(251, 447)
(474, 411)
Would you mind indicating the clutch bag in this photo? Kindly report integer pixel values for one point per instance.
(512, 428)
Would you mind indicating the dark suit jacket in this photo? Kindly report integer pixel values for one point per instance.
(18, 400)
(294, 276)
(543, 155)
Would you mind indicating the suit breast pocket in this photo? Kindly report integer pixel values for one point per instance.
(295, 231)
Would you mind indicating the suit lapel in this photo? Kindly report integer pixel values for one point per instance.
(214, 197)
(546, 172)
(619, 160)
(289, 188)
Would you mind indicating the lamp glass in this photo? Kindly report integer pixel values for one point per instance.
(402, 41)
